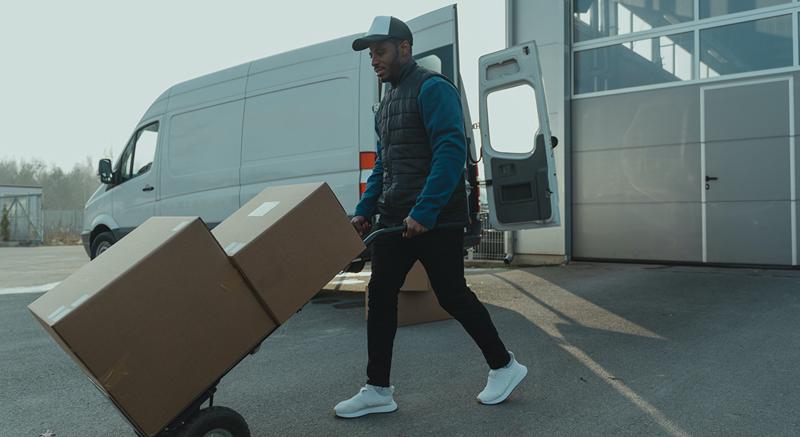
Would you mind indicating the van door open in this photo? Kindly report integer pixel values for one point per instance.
(436, 41)
(436, 48)
(519, 165)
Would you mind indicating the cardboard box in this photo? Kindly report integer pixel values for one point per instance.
(156, 319)
(416, 281)
(416, 301)
(288, 242)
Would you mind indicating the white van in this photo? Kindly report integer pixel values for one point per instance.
(206, 146)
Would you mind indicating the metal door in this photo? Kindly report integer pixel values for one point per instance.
(747, 159)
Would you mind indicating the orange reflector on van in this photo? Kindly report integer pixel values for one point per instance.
(361, 188)
(367, 161)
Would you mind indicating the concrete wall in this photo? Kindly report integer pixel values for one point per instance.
(547, 22)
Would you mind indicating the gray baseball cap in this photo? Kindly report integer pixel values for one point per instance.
(383, 28)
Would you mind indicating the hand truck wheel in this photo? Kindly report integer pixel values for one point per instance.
(215, 422)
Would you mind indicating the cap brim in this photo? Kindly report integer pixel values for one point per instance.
(364, 42)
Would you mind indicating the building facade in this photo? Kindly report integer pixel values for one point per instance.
(678, 125)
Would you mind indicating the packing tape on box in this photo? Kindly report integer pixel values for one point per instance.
(63, 310)
(263, 209)
(55, 313)
(234, 247)
(59, 314)
(80, 300)
(181, 225)
(346, 282)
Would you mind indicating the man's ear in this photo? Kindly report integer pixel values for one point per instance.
(405, 48)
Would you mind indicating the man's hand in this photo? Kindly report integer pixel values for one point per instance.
(361, 224)
(413, 228)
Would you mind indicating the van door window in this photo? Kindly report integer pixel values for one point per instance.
(124, 165)
(138, 156)
(145, 149)
(431, 62)
(439, 60)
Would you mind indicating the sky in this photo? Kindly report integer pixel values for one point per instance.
(77, 76)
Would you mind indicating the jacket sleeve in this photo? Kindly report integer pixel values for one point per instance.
(440, 108)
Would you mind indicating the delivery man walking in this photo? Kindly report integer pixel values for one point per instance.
(418, 180)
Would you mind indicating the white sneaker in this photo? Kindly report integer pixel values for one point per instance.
(502, 382)
(370, 399)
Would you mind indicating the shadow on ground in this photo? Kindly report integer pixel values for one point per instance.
(612, 350)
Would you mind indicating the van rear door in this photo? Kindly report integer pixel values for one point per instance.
(436, 41)
(519, 165)
(436, 48)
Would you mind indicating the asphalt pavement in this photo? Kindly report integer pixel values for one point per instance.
(612, 349)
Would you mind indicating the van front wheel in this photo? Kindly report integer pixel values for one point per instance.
(101, 243)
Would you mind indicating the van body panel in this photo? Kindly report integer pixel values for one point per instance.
(310, 54)
(156, 110)
(306, 125)
(337, 183)
(212, 88)
(434, 29)
(200, 175)
(97, 211)
(368, 98)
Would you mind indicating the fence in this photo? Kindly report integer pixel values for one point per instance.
(63, 225)
(24, 213)
(492, 246)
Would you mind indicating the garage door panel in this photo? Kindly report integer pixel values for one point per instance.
(648, 174)
(647, 118)
(749, 232)
(654, 231)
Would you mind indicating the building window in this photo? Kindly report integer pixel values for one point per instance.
(715, 8)
(748, 46)
(600, 18)
(636, 63)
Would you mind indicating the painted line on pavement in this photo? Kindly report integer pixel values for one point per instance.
(32, 289)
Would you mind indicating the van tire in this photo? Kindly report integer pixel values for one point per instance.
(101, 243)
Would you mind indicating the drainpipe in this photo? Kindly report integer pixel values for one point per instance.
(510, 238)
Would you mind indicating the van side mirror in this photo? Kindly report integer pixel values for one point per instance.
(105, 171)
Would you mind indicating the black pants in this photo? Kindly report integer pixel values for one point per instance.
(441, 252)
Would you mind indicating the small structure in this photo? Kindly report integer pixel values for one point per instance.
(22, 205)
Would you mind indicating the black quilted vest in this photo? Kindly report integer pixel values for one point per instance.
(406, 153)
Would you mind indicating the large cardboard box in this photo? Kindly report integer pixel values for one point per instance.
(156, 319)
(416, 281)
(288, 242)
(416, 302)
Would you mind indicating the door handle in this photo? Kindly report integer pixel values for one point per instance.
(148, 188)
(711, 178)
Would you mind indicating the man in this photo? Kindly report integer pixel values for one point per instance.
(418, 181)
